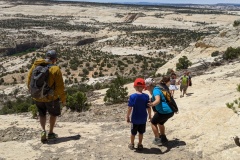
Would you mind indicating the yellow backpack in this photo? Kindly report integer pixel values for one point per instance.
(169, 99)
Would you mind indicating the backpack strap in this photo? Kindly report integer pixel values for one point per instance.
(49, 66)
(163, 89)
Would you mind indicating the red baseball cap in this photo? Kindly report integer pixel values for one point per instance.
(139, 82)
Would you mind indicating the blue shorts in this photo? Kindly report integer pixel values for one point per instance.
(140, 128)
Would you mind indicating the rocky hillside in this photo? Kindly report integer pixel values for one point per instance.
(203, 129)
(199, 53)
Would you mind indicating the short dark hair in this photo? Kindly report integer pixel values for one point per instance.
(165, 79)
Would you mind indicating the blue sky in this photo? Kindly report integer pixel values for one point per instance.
(169, 1)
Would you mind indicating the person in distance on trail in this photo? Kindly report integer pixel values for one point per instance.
(184, 83)
(173, 82)
(50, 103)
(163, 111)
(189, 78)
(137, 112)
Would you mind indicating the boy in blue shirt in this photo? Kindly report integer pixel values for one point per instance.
(138, 110)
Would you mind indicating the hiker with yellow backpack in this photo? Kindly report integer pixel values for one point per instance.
(45, 83)
(184, 83)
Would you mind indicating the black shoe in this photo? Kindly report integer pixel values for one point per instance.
(164, 139)
(140, 147)
(52, 136)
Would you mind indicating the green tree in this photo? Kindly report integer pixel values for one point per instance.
(231, 53)
(77, 102)
(236, 23)
(117, 93)
(183, 63)
(215, 53)
(97, 86)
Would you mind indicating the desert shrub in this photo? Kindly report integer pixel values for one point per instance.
(7, 108)
(80, 87)
(18, 106)
(235, 105)
(133, 70)
(21, 107)
(183, 63)
(75, 80)
(77, 102)
(120, 63)
(95, 73)
(33, 110)
(236, 23)
(109, 65)
(90, 68)
(21, 70)
(102, 64)
(97, 86)
(101, 74)
(85, 71)
(169, 71)
(223, 34)
(1, 81)
(87, 64)
(231, 53)
(117, 93)
(215, 53)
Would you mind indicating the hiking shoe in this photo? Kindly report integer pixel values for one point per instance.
(43, 136)
(157, 141)
(131, 146)
(164, 139)
(140, 147)
(52, 136)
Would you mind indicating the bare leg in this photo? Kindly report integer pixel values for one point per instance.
(171, 92)
(140, 136)
(162, 129)
(155, 130)
(159, 128)
(43, 122)
(181, 90)
(184, 92)
(52, 122)
(132, 139)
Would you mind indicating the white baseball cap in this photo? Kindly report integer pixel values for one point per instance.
(149, 82)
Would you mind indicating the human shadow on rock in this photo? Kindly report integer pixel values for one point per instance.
(189, 94)
(173, 144)
(149, 151)
(63, 139)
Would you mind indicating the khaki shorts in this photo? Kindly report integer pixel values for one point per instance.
(183, 88)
